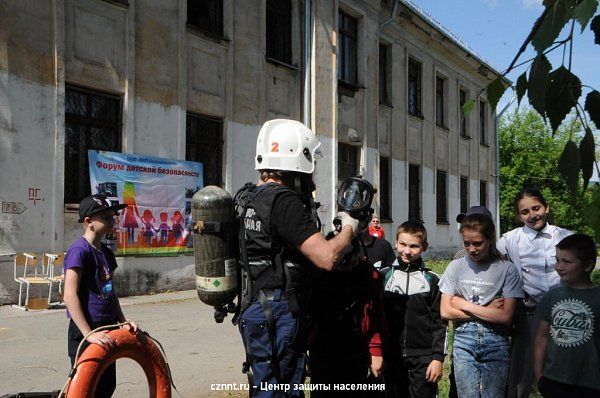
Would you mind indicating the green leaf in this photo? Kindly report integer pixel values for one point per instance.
(494, 92)
(468, 106)
(538, 83)
(584, 11)
(564, 89)
(551, 26)
(592, 107)
(587, 155)
(521, 87)
(591, 212)
(569, 165)
(595, 27)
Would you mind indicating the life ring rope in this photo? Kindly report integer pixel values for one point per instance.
(73, 370)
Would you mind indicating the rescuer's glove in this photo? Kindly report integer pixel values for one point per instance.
(347, 219)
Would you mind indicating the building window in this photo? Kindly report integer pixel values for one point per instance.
(483, 193)
(464, 194)
(206, 15)
(123, 3)
(347, 39)
(279, 30)
(441, 197)
(414, 88)
(462, 118)
(204, 144)
(482, 123)
(347, 161)
(414, 192)
(384, 189)
(384, 97)
(440, 102)
(92, 121)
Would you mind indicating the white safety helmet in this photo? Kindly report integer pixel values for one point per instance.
(284, 144)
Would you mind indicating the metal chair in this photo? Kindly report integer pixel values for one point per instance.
(52, 263)
(27, 272)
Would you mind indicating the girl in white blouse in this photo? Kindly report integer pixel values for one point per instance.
(532, 249)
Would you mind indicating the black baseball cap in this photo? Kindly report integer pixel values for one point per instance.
(474, 210)
(95, 204)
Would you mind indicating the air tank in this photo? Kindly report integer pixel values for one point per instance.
(215, 247)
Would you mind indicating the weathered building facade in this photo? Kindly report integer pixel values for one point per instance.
(195, 80)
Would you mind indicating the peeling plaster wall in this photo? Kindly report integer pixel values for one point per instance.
(27, 164)
(163, 69)
(390, 131)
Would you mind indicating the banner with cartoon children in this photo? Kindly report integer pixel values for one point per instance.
(158, 194)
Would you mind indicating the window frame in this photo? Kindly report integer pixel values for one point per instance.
(385, 199)
(87, 123)
(483, 194)
(279, 46)
(463, 124)
(119, 3)
(218, 123)
(463, 193)
(347, 151)
(384, 75)
(441, 101)
(482, 122)
(213, 29)
(347, 49)
(414, 203)
(415, 87)
(441, 198)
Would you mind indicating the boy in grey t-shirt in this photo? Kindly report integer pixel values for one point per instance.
(567, 343)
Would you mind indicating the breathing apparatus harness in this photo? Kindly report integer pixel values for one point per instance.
(243, 200)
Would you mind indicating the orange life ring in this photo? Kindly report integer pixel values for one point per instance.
(95, 359)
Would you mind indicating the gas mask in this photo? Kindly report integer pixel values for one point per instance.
(355, 196)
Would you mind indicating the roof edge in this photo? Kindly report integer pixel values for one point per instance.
(432, 22)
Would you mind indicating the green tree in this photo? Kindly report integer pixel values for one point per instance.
(529, 156)
(555, 92)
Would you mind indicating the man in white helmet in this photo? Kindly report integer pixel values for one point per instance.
(280, 241)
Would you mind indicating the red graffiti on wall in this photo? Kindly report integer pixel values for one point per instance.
(34, 195)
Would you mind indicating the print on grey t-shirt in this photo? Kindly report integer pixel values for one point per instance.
(480, 284)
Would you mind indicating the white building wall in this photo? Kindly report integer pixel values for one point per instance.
(146, 54)
(325, 177)
(158, 130)
(27, 165)
(399, 194)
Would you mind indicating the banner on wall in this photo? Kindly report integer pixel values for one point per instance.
(158, 194)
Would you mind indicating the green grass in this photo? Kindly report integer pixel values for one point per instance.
(437, 265)
(596, 276)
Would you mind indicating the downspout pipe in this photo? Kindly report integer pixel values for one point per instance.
(496, 125)
(307, 61)
(392, 15)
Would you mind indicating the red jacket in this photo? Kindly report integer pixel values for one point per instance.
(376, 232)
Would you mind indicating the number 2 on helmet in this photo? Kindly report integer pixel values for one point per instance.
(275, 146)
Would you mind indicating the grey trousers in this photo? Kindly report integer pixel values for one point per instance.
(520, 374)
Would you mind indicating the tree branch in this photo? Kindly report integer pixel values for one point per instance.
(571, 44)
(528, 39)
(557, 44)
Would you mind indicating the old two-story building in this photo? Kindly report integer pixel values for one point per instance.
(379, 81)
